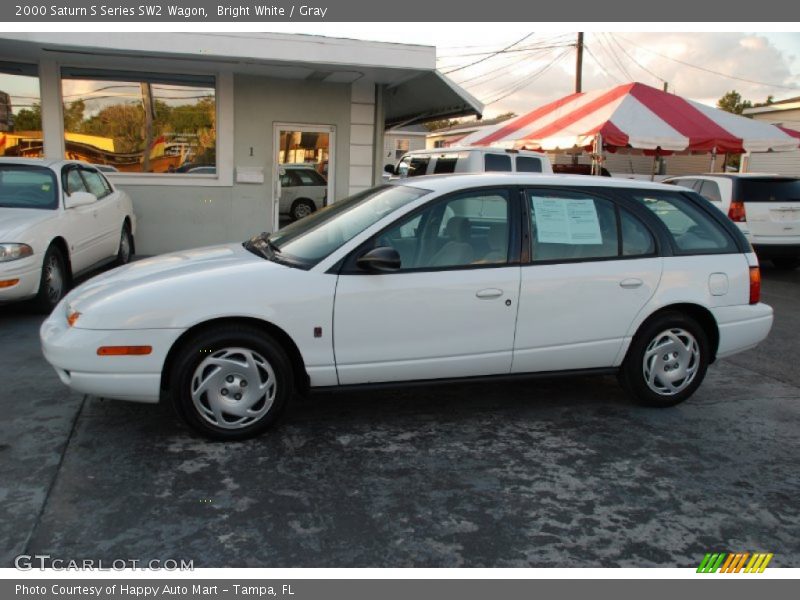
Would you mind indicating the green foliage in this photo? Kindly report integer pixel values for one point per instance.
(29, 119)
(732, 102)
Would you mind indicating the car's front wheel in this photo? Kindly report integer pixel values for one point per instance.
(667, 360)
(53, 282)
(231, 382)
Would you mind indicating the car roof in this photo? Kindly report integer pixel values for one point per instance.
(41, 162)
(483, 149)
(454, 182)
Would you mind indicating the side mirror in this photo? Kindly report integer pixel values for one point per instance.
(389, 169)
(79, 199)
(380, 260)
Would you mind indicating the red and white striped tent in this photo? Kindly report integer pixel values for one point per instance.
(637, 117)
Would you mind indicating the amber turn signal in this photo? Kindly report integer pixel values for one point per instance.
(6, 283)
(124, 350)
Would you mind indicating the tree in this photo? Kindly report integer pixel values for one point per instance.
(29, 119)
(440, 124)
(732, 102)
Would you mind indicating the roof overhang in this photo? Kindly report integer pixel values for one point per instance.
(415, 91)
(427, 97)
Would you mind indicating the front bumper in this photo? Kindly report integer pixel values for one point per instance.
(29, 273)
(72, 352)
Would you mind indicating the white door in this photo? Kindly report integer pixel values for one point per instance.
(108, 213)
(580, 294)
(79, 225)
(450, 309)
(301, 144)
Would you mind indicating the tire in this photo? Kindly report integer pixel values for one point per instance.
(644, 374)
(230, 382)
(53, 282)
(125, 248)
(786, 262)
(301, 208)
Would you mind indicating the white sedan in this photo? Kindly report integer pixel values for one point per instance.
(438, 279)
(57, 220)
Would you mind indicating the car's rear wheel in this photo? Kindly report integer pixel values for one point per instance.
(125, 249)
(667, 360)
(301, 208)
(231, 383)
(786, 262)
(53, 282)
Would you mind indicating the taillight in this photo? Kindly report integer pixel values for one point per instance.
(755, 285)
(736, 212)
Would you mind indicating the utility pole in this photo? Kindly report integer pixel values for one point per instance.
(147, 102)
(666, 85)
(579, 63)
(578, 77)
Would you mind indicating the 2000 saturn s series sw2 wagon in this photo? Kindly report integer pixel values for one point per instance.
(439, 278)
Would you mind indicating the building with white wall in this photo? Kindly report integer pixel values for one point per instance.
(196, 125)
(787, 114)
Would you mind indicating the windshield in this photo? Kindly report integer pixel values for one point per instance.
(23, 186)
(306, 242)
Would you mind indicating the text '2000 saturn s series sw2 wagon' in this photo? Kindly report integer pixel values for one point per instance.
(436, 279)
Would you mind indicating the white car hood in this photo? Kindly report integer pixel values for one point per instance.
(148, 293)
(16, 223)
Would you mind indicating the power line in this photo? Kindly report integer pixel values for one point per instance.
(608, 46)
(502, 70)
(712, 71)
(640, 65)
(491, 55)
(505, 93)
(599, 64)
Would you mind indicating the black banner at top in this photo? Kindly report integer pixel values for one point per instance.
(406, 11)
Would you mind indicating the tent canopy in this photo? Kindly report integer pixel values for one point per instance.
(634, 116)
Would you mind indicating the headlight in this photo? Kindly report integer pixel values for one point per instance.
(10, 252)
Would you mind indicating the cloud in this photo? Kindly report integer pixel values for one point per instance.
(612, 59)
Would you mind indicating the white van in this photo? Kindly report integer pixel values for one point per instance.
(468, 159)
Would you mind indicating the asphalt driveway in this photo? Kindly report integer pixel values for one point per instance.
(562, 472)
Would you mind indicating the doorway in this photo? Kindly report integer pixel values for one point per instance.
(303, 173)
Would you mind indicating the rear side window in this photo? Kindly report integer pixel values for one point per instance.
(497, 162)
(693, 231)
(710, 190)
(769, 189)
(636, 238)
(308, 177)
(414, 167)
(445, 164)
(528, 164)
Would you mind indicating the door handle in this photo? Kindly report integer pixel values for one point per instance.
(631, 283)
(489, 293)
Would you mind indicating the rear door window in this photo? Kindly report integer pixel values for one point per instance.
(497, 162)
(308, 177)
(528, 164)
(572, 226)
(693, 231)
(96, 183)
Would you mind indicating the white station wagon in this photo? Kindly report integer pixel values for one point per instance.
(57, 219)
(436, 279)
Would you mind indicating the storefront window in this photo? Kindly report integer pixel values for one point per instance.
(136, 124)
(20, 111)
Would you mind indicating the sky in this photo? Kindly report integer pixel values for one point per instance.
(512, 82)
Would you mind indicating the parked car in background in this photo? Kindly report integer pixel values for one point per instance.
(303, 190)
(765, 207)
(468, 159)
(578, 170)
(57, 220)
(434, 279)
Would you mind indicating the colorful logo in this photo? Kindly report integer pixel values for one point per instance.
(745, 562)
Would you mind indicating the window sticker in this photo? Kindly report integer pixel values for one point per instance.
(566, 221)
